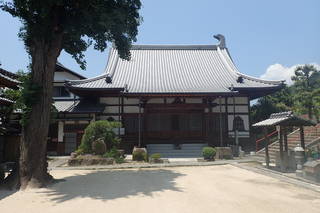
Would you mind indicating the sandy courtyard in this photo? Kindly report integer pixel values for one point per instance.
(185, 189)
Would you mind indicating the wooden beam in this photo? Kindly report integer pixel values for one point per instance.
(285, 137)
(266, 147)
(302, 143)
(281, 149)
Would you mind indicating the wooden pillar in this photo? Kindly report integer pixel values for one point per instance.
(302, 138)
(220, 122)
(234, 116)
(266, 147)
(285, 137)
(281, 149)
(139, 124)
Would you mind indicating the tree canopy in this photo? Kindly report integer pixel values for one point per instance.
(48, 27)
(80, 23)
(303, 97)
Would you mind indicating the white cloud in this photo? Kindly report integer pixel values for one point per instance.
(280, 72)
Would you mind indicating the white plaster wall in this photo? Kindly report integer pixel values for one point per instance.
(131, 101)
(109, 100)
(156, 101)
(111, 109)
(194, 100)
(60, 131)
(170, 100)
(217, 100)
(132, 109)
(62, 76)
(239, 100)
(217, 108)
(240, 108)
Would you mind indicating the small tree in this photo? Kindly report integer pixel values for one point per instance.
(306, 82)
(48, 28)
(99, 130)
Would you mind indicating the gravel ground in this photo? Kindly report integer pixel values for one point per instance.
(223, 188)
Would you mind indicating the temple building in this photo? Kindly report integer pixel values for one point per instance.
(166, 96)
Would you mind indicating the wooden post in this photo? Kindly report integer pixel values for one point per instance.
(281, 149)
(302, 138)
(267, 147)
(285, 137)
(139, 124)
(220, 122)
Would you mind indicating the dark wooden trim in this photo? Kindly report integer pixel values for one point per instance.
(302, 143)
(265, 131)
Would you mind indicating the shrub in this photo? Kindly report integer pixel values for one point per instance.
(208, 153)
(155, 156)
(99, 129)
(139, 154)
(99, 147)
(115, 154)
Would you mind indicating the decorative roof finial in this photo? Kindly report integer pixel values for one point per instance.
(221, 39)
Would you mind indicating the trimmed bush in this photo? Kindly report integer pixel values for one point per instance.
(139, 154)
(155, 156)
(116, 154)
(208, 153)
(96, 130)
(99, 147)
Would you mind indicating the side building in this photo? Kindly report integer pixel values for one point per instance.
(9, 135)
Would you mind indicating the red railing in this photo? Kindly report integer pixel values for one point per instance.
(261, 139)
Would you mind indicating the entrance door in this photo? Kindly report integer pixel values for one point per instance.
(175, 126)
(214, 126)
(70, 142)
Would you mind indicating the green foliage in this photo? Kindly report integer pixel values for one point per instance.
(155, 156)
(99, 147)
(306, 90)
(303, 97)
(115, 154)
(99, 129)
(79, 23)
(208, 153)
(139, 155)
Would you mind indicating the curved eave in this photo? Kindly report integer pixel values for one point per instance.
(94, 92)
(257, 92)
(5, 101)
(8, 82)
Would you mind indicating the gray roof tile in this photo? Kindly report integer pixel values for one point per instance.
(173, 69)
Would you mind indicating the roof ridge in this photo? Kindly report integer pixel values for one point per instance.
(74, 82)
(173, 47)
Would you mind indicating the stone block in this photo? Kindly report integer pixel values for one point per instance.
(223, 153)
(311, 170)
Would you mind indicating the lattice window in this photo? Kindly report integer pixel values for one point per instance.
(238, 124)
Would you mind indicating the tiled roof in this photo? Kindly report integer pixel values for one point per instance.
(5, 101)
(173, 69)
(7, 79)
(61, 67)
(284, 118)
(78, 106)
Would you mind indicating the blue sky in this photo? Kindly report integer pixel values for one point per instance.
(265, 38)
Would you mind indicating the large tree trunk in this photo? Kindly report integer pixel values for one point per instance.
(33, 162)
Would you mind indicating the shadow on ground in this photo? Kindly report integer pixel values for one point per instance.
(6, 193)
(108, 185)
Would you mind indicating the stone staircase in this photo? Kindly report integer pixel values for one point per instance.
(190, 150)
(311, 135)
